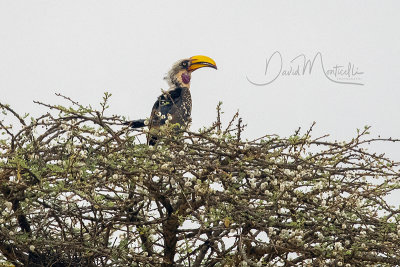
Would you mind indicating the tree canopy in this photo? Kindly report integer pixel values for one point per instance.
(78, 188)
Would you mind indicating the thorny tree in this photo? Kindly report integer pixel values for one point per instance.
(78, 189)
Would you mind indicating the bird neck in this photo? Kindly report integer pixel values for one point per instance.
(179, 85)
(181, 79)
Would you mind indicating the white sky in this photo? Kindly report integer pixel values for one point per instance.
(84, 48)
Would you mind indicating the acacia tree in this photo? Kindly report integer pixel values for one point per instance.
(79, 189)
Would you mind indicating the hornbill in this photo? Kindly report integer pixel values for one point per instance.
(174, 105)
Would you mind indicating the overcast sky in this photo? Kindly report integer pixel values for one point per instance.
(84, 48)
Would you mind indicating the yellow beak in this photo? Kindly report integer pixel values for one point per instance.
(197, 62)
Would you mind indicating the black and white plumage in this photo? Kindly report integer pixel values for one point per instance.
(175, 105)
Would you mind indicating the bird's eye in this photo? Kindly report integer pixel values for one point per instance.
(184, 64)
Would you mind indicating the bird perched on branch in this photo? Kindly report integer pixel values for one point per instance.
(174, 105)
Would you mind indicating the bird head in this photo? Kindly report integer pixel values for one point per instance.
(181, 71)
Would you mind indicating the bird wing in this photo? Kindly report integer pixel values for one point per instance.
(165, 104)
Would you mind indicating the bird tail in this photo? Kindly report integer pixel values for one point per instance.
(135, 123)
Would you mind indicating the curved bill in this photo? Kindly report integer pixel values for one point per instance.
(197, 62)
